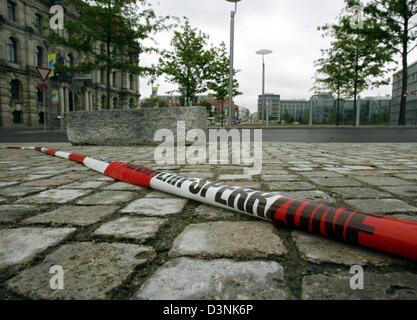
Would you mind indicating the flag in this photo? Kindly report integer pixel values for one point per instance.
(52, 61)
(155, 92)
(55, 96)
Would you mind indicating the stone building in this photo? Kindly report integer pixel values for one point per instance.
(23, 46)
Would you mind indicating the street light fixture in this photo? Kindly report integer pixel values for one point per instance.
(263, 53)
(232, 39)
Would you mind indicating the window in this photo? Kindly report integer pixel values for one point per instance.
(15, 89)
(101, 76)
(39, 57)
(131, 82)
(11, 11)
(69, 60)
(132, 104)
(114, 79)
(12, 49)
(115, 103)
(103, 102)
(38, 22)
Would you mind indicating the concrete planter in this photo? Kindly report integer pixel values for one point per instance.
(130, 127)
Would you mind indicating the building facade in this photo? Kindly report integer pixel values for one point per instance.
(273, 104)
(23, 46)
(295, 110)
(411, 106)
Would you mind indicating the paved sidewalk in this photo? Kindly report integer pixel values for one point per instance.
(118, 241)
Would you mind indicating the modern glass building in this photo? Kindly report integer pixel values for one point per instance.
(411, 107)
(273, 102)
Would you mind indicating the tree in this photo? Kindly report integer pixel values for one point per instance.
(383, 117)
(364, 56)
(287, 117)
(109, 35)
(188, 63)
(220, 76)
(395, 18)
(332, 75)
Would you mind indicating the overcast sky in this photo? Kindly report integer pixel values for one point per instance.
(287, 27)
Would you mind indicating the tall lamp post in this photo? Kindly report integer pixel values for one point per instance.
(263, 52)
(232, 41)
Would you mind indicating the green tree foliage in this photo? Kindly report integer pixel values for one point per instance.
(287, 117)
(383, 117)
(399, 29)
(219, 78)
(188, 63)
(332, 117)
(109, 35)
(359, 55)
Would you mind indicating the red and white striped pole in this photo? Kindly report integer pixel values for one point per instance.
(379, 232)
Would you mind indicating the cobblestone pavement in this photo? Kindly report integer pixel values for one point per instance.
(118, 241)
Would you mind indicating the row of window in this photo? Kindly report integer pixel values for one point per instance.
(113, 79)
(15, 94)
(13, 54)
(11, 15)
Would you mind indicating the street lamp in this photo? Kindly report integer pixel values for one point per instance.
(232, 40)
(263, 53)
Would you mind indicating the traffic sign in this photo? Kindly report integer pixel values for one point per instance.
(43, 72)
(43, 87)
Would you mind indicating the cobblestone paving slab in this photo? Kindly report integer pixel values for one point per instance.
(336, 182)
(19, 191)
(21, 245)
(360, 193)
(54, 196)
(213, 213)
(313, 196)
(161, 195)
(4, 184)
(288, 177)
(390, 286)
(74, 215)
(84, 185)
(235, 177)
(51, 182)
(107, 198)
(407, 176)
(381, 205)
(245, 184)
(140, 229)
(194, 279)
(156, 206)
(290, 186)
(318, 249)
(405, 191)
(91, 270)
(322, 174)
(228, 239)
(122, 186)
(384, 181)
(16, 212)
